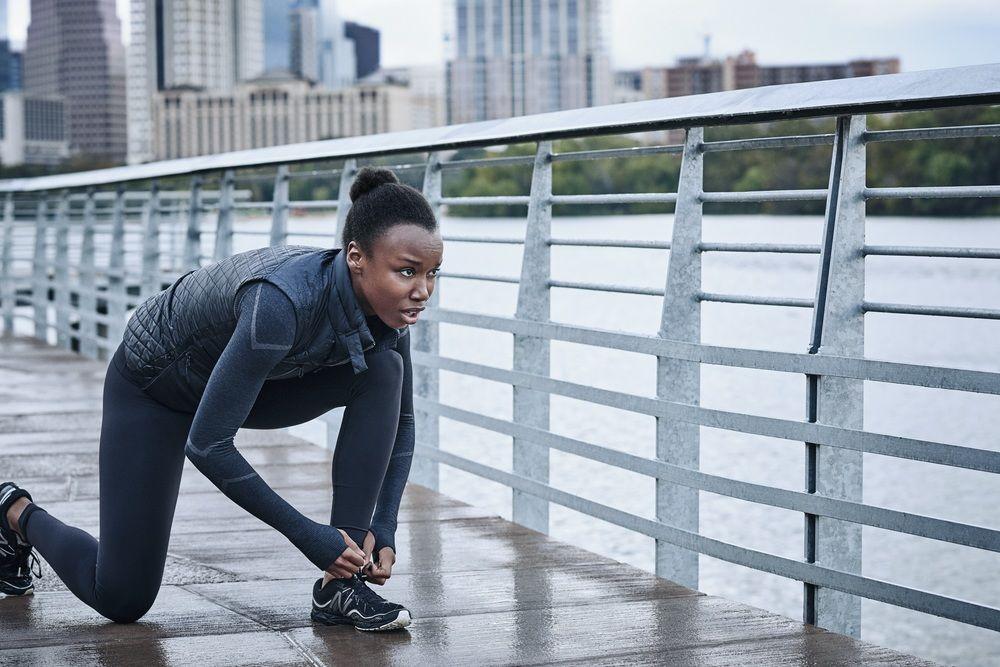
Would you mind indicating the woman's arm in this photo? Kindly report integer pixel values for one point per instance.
(264, 333)
(384, 521)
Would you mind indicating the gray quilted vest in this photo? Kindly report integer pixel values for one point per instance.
(179, 334)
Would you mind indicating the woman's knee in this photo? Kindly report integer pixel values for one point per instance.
(127, 605)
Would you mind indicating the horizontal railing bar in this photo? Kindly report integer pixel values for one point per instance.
(936, 192)
(855, 584)
(613, 153)
(254, 178)
(767, 143)
(785, 429)
(928, 251)
(481, 239)
(763, 196)
(903, 522)
(329, 235)
(942, 311)
(611, 243)
(314, 173)
(959, 132)
(480, 276)
(314, 203)
(756, 300)
(706, 246)
(252, 204)
(509, 161)
(518, 200)
(601, 287)
(617, 198)
(406, 166)
(96, 317)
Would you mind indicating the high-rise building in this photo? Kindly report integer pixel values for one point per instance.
(337, 65)
(366, 48)
(202, 44)
(10, 61)
(517, 57)
(74, 50)
(277, 35)
(10, 67)
(323, 47)
(33, 129)
(304, 38)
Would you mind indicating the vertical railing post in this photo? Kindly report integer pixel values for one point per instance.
(192, 237)
(63, 338)
(279, 208)
(117, 286)
(88, 284)
(224, 225)
(677, 380)
(8, 277)
(40, 271)
(151, 244)
(426, 379)
(347, 173)
(531, 354)
(838, 328)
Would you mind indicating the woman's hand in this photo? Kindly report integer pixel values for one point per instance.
(378, 573)
(350, 561)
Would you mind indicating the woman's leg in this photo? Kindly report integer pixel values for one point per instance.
(367, 431)
(141, 459)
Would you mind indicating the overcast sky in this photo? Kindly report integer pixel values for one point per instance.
(925, 34)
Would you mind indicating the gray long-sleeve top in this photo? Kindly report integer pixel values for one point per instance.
(262, 337)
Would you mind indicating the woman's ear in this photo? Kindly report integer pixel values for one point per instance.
(355, 258)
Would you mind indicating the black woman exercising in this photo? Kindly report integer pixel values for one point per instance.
(264, 339)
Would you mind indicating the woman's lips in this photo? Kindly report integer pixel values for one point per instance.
(410, 315)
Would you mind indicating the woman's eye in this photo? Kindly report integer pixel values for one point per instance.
(436, 271)
(408, 275)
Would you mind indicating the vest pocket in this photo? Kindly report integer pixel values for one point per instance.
(171, 388)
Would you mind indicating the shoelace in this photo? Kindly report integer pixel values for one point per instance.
(33, 558)
(27, 559)
(367, 594)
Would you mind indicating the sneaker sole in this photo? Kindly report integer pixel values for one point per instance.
(401, 621)
(10, 589)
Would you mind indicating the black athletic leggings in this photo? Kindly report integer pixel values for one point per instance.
(142, 457)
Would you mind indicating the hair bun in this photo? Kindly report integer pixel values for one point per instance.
(369, 178)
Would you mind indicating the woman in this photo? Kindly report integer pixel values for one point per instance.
(264, 339)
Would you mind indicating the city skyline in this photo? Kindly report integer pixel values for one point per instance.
(924, 34)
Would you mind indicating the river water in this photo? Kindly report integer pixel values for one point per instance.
(939, 415)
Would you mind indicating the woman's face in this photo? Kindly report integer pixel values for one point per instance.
(397, 278)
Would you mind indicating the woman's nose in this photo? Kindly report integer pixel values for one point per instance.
(420, 292)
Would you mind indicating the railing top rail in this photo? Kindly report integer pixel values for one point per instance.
(976, 84)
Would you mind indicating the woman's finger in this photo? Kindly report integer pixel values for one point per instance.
(352, 558)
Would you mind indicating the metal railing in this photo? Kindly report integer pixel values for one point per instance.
(56, 226)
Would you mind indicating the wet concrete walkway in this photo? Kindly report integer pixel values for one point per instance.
(482, 590)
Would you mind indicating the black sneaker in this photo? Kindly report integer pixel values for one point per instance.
(346, 601)
(16, 555)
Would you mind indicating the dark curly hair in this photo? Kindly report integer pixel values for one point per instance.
(378, 202)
